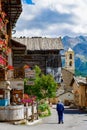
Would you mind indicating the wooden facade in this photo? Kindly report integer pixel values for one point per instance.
(3, 42)
(9, 13)
(18, 53)
(44, 58)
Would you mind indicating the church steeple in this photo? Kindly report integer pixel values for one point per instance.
(69, 60)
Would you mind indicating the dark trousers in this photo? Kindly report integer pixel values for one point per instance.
(60, 116)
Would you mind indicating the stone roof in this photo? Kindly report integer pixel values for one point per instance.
(39, 43)
(65, 93)
(81, 80)
(70, 49)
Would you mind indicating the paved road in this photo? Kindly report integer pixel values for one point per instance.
(73, 120)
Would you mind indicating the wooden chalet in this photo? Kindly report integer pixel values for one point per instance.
(44, 52)
(11, 90)
(10, 11)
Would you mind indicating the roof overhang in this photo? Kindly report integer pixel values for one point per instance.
(13, 9)
(41, 44)
(17, 45)
(79, 81)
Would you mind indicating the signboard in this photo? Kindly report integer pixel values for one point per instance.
(29, 83)
(29, 73)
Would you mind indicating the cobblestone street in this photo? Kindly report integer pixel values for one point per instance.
(73, 120)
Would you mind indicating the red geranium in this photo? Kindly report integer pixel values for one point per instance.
(10, 67)
(26, 66)
(28, 99)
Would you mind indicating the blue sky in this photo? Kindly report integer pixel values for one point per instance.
(27, 2)
(52, 18)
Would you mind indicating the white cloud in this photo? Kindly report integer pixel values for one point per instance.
(70, 14)
(28, 33)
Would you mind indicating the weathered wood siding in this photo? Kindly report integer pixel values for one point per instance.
(43, 52)
(39, 43)
(36, 58)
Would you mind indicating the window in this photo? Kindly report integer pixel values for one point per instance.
(70, 63)
(70, 56)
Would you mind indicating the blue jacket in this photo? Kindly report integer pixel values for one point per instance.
(60, 107)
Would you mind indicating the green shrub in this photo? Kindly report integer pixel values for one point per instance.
(44, 110)
(44, 85)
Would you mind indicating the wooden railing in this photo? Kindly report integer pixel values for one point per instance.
(31, 112)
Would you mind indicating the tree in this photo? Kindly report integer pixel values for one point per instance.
(44, 85)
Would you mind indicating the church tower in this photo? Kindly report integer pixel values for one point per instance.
(69, 60)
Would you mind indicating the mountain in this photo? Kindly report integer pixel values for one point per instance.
(79, 45)
(71, 41)
(81, 48)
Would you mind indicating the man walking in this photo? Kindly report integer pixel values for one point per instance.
(60, 111)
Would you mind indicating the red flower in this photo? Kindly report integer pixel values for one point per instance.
(2, 60)
(10, 67)
(26, 96)
(26, 66)
(1, 42)
(28, 99)
(0, 20)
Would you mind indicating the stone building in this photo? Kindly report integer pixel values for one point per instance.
(69, 60)
(66, 97)
(79, 85)
(65, 91)
(67, 77)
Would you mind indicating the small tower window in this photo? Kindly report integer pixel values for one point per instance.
(70, 56)
(70, 63)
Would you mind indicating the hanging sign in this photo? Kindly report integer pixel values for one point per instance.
(30, 83)
(29, 73)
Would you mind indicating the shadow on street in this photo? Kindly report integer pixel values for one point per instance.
(74, 111)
